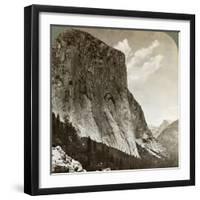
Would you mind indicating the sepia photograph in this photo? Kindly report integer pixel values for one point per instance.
(109, 99)
(114, 99)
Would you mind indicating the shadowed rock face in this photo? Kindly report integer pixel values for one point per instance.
(89, 89)
(169, 139)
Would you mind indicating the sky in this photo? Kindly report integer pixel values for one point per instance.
(152, 68)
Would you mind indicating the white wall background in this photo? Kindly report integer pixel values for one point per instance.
(11, 101)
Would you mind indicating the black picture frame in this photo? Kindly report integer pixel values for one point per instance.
(31, 98)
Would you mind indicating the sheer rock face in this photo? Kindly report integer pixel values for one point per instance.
(89, 88)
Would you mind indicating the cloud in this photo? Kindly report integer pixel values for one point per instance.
(143, 54)
(140, 74)
(124, 47)
(143, 63)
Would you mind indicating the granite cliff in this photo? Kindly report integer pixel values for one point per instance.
(89, 90)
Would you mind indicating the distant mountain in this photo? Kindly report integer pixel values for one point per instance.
(157, 130)
(169, 139)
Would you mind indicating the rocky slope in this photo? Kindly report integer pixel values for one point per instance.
(169, 139)
(61, 162)
(89, 90)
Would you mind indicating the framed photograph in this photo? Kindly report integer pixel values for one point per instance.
(109, 99)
